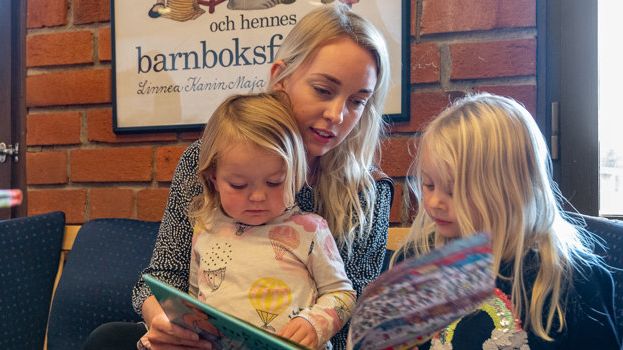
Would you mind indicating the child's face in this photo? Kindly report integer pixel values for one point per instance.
(250, 183)
(438, 201)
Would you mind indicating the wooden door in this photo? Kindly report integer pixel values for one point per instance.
(12, 102)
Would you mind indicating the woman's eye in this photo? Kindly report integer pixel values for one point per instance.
(237, 186)
(322, 91)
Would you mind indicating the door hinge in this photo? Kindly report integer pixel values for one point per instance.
(555, 124)
(9, 150)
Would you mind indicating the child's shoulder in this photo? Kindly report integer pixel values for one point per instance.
(310, 222)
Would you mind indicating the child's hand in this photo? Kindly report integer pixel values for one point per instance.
(300, 331)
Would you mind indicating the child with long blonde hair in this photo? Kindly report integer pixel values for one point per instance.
(483, 165)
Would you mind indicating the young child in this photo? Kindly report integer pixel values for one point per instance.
(255, 255)
(483, 165)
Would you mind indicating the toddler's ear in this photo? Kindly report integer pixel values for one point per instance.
(210, 176)
(275, 69)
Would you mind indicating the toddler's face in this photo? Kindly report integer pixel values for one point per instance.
(437, 199)
(250, 183)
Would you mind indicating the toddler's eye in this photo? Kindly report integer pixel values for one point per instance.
(429, 187)
(274, 183)
(237, 186)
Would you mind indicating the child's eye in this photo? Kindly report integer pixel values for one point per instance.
(429, 187)
(237, 186)
(359, 102)
(274, 183)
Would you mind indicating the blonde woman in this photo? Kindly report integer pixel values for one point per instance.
(483, 165)
(334, 66)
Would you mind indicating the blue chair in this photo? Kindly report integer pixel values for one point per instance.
(103, 265)
(29, 254)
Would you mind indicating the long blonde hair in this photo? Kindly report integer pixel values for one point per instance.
(344, 172)
(263, 119)
(498, 167)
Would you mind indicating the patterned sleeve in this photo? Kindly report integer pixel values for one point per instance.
(170, 260)
(366, 260)
(336, 297)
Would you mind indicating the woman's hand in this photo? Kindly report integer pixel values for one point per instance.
(301, 331)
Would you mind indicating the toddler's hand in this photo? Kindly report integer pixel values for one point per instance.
(300, 331)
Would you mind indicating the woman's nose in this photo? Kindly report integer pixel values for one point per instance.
(335, 112)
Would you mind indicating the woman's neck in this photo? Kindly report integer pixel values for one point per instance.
(312, 169)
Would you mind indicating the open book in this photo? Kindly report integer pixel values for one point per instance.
(409, 302)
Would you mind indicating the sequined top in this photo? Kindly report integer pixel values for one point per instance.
(170, 261)
(589, 317)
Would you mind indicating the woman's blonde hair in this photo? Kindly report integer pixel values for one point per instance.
(264, 120)
(344, 172)
(497, 164)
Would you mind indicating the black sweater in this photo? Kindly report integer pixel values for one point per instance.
(589, 314)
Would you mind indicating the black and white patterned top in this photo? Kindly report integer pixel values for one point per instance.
(170, 261)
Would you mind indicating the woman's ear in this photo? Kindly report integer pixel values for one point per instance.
(275, 70)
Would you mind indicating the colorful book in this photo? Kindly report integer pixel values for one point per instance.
(223, 330)
(420, 296)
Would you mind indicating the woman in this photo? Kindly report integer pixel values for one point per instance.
(334, 66)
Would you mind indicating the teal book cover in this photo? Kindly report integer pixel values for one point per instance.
(223, 330)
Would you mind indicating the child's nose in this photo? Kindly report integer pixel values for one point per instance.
(257, 195)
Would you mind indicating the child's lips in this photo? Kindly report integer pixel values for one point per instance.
(442, 222)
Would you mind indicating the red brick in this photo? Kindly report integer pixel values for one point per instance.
(46, 13)
(104, 51)
(72, 202)
(166, 161)
(425, 63)
(397, 155)
(424, 106)
(444, 16)
(111, 203)
(69, 87)
(59, 128)
(59, 48)
(90, 11)
(525, 94)
(46, 168)
(99, 129)
(111, 164)
(151, 203)
(493, 59)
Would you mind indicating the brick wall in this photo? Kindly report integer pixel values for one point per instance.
(75, 163)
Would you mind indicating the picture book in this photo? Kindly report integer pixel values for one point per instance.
(223, 330)
(420, 296)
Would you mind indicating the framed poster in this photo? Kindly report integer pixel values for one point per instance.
(175, 61)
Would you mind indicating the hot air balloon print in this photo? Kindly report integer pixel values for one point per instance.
(283, 238)
(269, 297)
(214, 265)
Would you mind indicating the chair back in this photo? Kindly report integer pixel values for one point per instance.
(29, 254)
(102, 267)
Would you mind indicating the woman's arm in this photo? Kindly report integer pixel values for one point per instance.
(366, 260)
(171, 257)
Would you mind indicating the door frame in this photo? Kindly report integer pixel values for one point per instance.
(12, 102)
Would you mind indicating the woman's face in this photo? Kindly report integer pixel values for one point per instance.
(329, 93)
